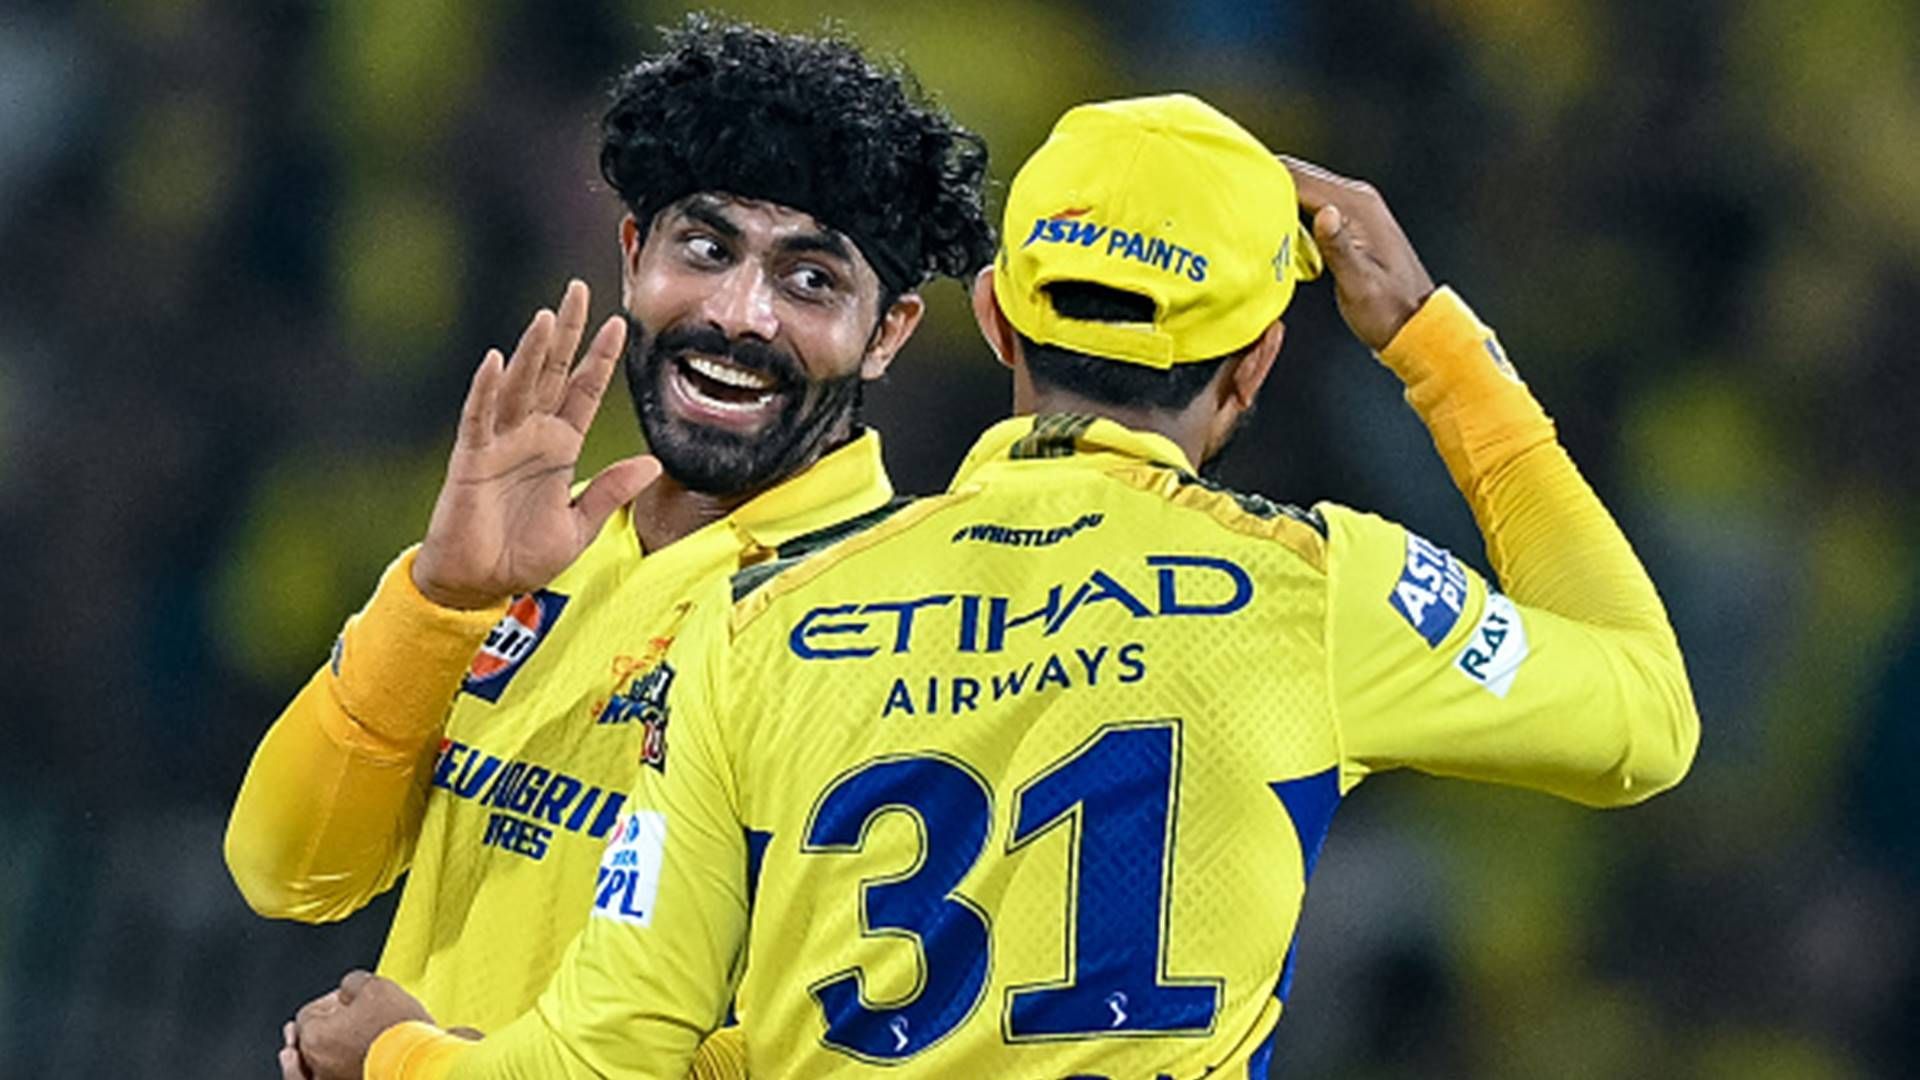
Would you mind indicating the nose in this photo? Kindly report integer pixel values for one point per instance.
(741, 304)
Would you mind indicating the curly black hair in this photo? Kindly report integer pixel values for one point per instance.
(810, 123)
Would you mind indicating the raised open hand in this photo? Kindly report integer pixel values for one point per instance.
(505, 521)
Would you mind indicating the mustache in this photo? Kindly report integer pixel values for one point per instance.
(756, 356)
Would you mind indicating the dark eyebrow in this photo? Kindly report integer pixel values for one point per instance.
(818, 243)
(707, 212)
(711, 212)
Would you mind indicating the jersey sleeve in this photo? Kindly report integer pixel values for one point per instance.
(1572, 681)
(328, 813)
(652, 973)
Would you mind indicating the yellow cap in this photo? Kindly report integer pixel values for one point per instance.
(1166, 197)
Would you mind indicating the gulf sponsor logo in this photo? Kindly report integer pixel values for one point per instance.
(512, 640)
(1431, 591)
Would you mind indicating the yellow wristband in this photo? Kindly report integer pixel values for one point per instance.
(399, 661)
(414, 1051)
(1459, 380)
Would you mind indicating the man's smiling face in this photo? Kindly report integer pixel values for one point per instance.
(753, 328)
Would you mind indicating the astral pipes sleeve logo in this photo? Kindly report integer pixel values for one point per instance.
(1431, 589)
(1068, 227)
(511, 641)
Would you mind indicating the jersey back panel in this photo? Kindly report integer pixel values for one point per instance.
(1035, 774)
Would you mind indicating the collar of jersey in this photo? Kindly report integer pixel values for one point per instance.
(845, 483)
(1060, 435)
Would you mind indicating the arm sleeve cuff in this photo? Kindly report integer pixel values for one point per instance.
(1459, 380)
(723, 1056)
(414, 1051)
(401, 659)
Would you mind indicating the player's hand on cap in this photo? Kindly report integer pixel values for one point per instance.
(1378, 280)
(505, 521)
(332, 1033)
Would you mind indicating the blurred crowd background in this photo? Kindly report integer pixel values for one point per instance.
(250, 252)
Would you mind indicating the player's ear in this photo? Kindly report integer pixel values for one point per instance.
(630, 243)
(992, 321)
(896, 326)
(1249, 372)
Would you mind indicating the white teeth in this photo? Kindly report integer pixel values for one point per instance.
(730, 375)
(692, 391)
(732, 406)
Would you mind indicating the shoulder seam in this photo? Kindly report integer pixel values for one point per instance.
(748, 578)
(1256, 504)
(788, 574)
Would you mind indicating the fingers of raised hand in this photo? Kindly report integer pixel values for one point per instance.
(483, 393)
(523, 372)
(1346, 243)
(570, 324)
(617, 485)
(1330, 228)
(589, 381)
(1318, 186)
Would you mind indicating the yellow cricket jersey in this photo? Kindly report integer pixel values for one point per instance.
(498, 806)
(1028, 779)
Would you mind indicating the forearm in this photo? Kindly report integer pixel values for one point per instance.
(1554, 546)
(331, 803)
(1551, 541)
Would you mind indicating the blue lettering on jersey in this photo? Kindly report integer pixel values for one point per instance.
(1072, 227)
(528, 620)
(1496, 648)
(1431, 591)
(957, 694)
(1172, 586)
(529, 800)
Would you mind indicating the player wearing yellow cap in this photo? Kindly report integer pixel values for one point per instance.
(1028, 779)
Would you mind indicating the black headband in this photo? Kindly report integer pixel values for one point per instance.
(779, 160)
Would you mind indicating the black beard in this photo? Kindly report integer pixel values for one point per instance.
(720, 462)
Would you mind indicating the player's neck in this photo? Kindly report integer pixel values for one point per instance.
(668, 510)
(1187, 428)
